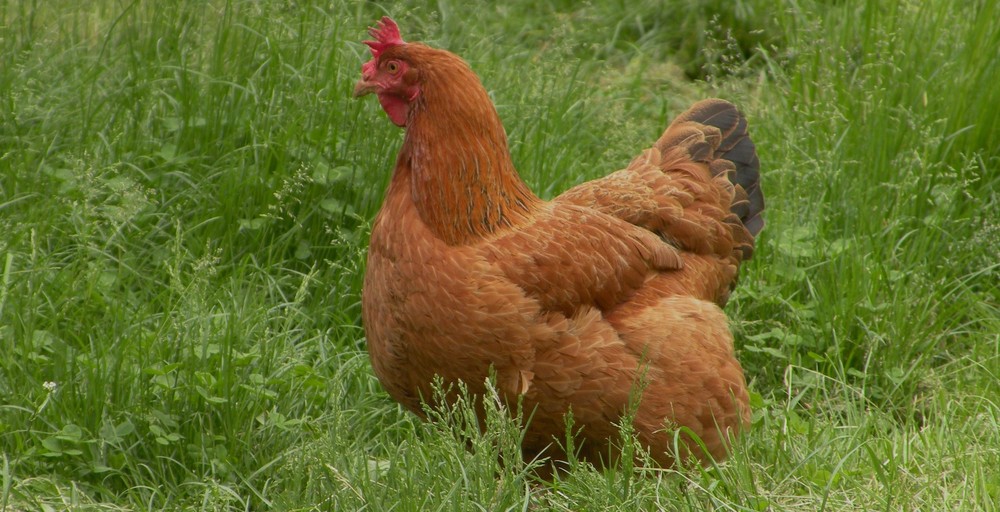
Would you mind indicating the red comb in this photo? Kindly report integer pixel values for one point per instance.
(386, 35)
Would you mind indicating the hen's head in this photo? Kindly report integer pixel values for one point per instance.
(390, 74)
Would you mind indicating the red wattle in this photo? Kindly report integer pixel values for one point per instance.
(396, 107)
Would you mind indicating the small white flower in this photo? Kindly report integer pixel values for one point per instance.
(49, 386)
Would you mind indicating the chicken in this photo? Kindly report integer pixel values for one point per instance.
(605, 298)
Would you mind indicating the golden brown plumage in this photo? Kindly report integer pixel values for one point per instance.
(575, 303)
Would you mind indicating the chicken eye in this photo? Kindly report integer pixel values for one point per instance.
(392, 66)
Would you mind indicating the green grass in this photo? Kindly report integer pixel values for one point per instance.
(186, 190)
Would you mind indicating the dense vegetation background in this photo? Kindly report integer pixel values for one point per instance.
(186, 189)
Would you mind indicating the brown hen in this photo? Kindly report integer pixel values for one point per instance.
(610, 291)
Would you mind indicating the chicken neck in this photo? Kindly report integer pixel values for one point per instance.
(459, 171)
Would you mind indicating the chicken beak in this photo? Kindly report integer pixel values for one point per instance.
(366, 85)
(364, 88)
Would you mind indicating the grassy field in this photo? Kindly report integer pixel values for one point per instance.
(186, 190)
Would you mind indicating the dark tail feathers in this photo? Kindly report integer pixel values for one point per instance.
(736, 146)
